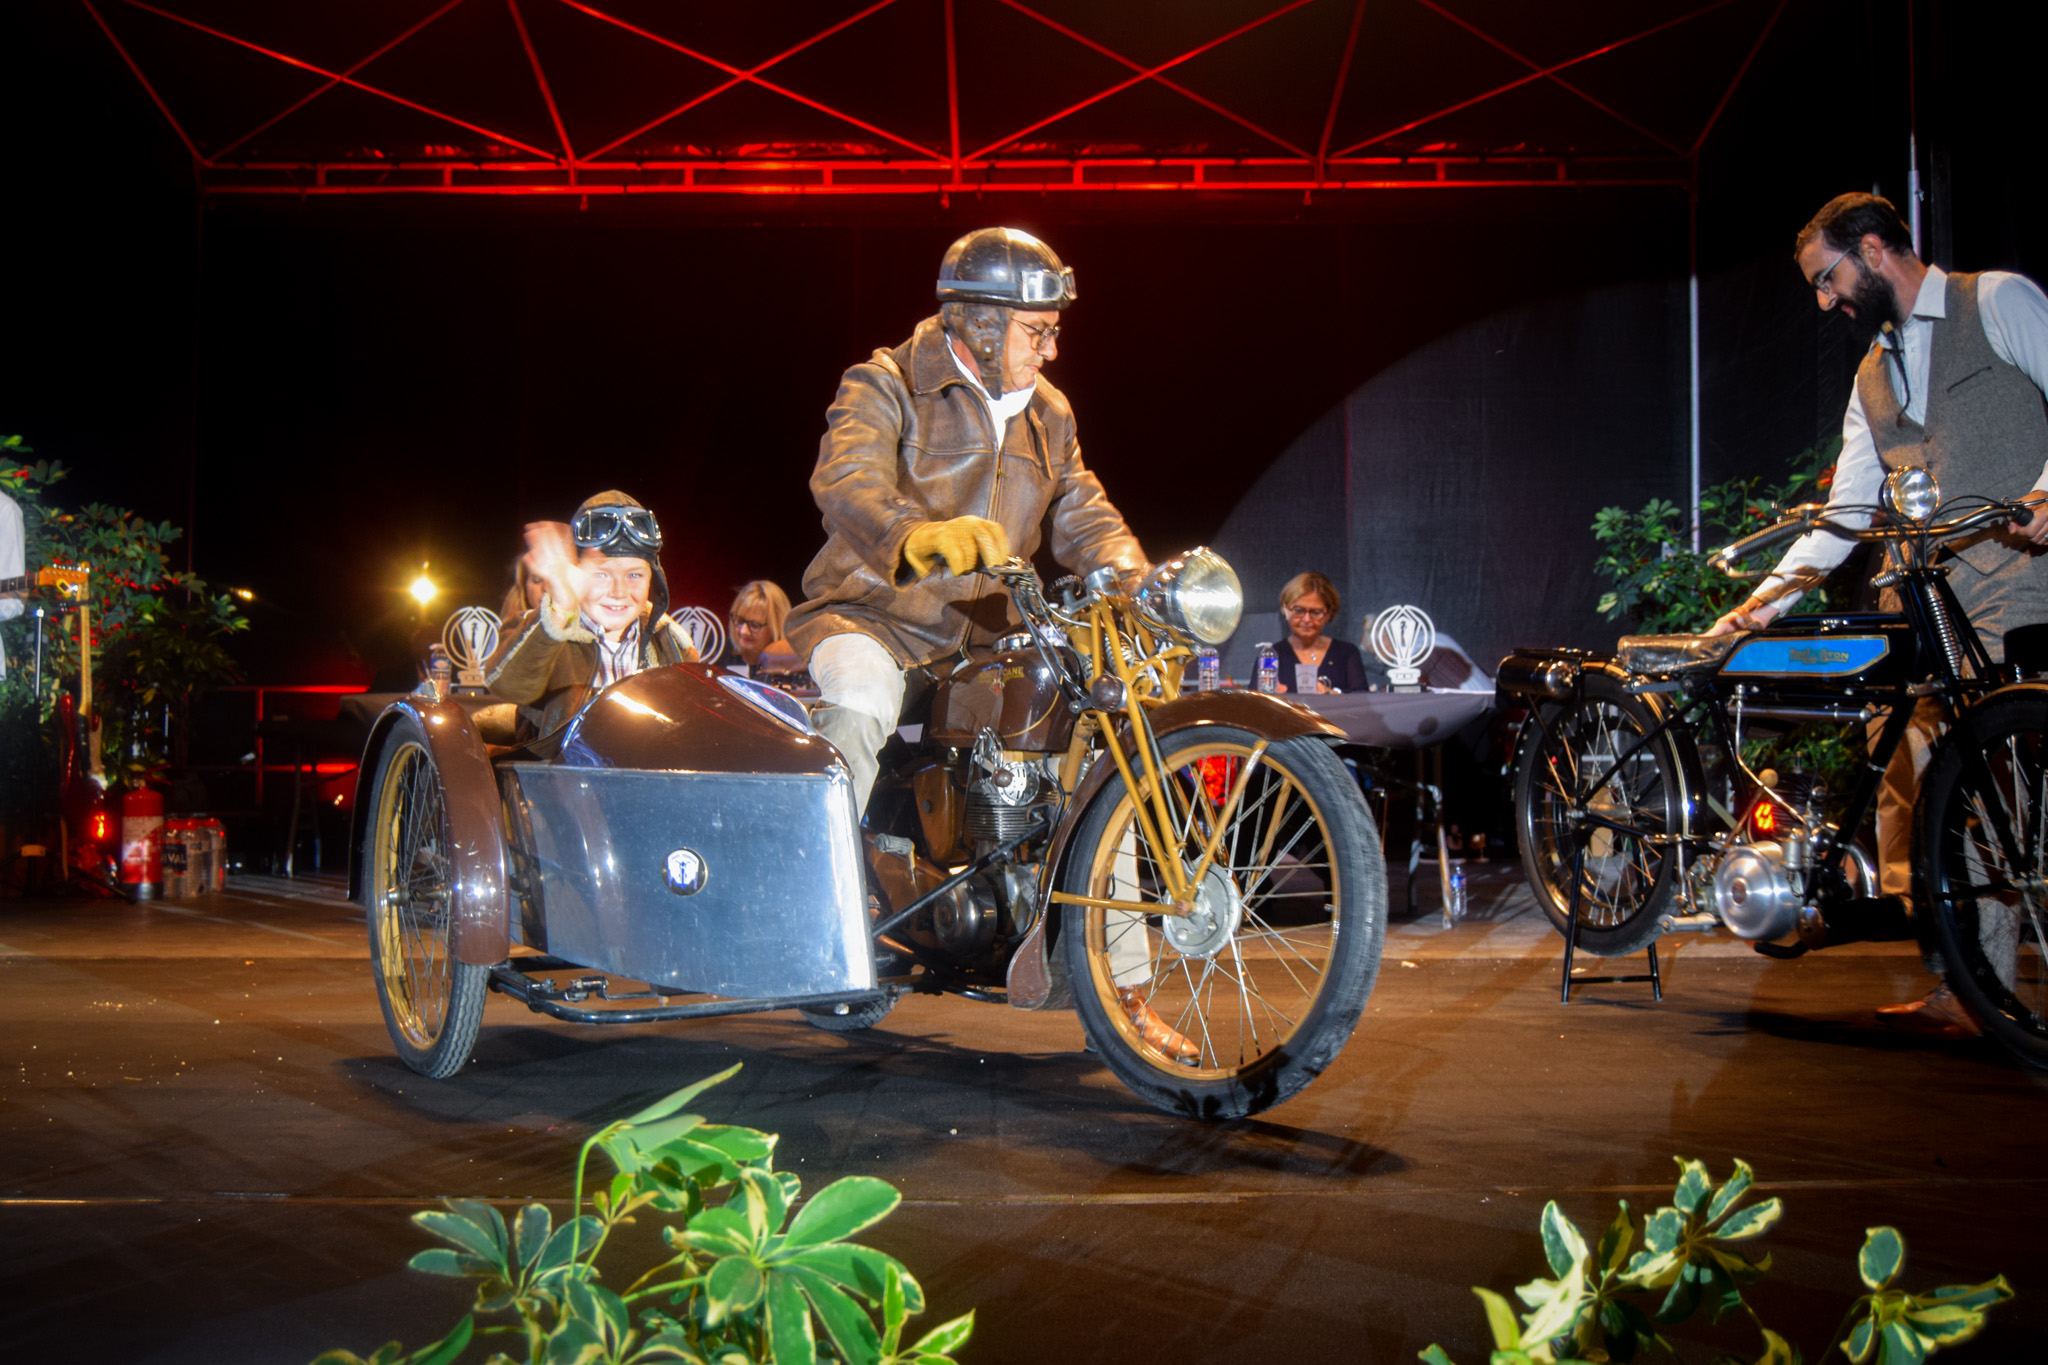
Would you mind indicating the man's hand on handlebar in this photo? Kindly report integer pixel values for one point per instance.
(962, 542)
(2034, 528)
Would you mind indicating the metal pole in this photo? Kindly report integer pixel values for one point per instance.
(39, 660)
(1692, 203)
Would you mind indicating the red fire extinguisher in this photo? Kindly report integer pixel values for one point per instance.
(142, 844)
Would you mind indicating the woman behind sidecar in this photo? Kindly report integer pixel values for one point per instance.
(687, 829)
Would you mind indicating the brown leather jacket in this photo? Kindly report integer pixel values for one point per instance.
(909, 440)
(547, 671)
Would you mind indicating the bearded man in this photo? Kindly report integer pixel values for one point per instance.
(1953, 382)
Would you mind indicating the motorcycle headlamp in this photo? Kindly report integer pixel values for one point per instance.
(1195, 595)
(1912, 493)
(599, 528)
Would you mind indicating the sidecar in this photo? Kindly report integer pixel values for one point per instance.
(688, 829)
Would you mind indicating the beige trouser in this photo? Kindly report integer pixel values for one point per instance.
(860, 698)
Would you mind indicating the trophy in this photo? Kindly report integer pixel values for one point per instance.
(1402, 637)
(705, 630)
(470, 637)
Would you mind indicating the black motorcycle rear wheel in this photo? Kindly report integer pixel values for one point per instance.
(1264, 985)
(1981, 851)
(1627, 877)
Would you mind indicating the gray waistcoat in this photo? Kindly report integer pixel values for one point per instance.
(1987, 434)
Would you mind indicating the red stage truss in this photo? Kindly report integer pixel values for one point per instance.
(935, 97)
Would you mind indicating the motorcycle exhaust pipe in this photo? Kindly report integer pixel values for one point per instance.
(1866, 919)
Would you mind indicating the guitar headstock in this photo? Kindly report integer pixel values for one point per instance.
(69, 580)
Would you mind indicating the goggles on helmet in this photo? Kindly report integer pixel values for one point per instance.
(1034, 288)
(596, 528)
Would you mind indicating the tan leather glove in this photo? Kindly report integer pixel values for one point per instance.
(962, 543)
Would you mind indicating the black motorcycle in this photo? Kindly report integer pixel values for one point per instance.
(1638, 814)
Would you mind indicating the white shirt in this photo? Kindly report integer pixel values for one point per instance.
(1000, 410)
(13, 563)
(2015, 314)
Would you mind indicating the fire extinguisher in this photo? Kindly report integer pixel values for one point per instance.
(142, 844)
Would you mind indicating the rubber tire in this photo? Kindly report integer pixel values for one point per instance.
(433, 1030)
(1548, 867)
(856, 1018)
(2015, 724)
(1354, 962)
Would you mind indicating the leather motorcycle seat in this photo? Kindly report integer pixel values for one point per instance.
(1666, 654)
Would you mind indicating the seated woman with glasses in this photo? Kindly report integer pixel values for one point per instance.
(602, 617)
(754, 645)
(1308, 603)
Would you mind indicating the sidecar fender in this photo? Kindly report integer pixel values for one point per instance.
(479, 927)
(1034, 979)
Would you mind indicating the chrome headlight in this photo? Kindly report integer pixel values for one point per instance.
(771, 701)
(1194, 594)
(1912, 493)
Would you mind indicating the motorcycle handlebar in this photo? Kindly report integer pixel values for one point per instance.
(1812, 517)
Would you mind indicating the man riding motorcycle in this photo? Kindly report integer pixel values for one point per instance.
(950, 452)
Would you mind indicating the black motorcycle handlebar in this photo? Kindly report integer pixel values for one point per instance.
(1813, 517)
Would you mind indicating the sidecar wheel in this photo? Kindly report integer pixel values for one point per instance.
(856, 1018)
(1232, 1010)
(1979, 858)
(1627, 882)
(433, 1004)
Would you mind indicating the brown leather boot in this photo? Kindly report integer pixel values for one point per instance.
(1155, 1031)
(1940, 1015)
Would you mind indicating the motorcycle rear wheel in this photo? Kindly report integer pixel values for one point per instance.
(1270, 987)
(433, 1005)
(1981, 850)
(848, 1018)
(1626, 882)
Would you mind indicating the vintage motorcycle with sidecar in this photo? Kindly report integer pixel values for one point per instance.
(1637, 813)
(1056, 824)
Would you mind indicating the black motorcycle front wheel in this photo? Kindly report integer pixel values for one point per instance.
(1591, 803)
(433, 1004)
(1981, 852)
(1232, 1008)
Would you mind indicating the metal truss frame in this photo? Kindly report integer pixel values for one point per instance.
(506, 165)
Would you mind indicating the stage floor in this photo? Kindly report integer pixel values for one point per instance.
(208, 1152)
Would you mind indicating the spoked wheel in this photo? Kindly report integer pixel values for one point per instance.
(1232, 1008)
(1571, 769)
(432, 1003)
(1980, 861)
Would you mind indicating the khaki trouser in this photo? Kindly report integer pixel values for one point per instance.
(1896, 795)
(860, 698)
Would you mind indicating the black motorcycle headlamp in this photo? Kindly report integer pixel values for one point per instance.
(602, 528)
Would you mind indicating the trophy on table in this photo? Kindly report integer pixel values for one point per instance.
(1403, 637)
(469, 638)
(704, 628)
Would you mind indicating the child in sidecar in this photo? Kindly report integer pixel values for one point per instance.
(604, 615)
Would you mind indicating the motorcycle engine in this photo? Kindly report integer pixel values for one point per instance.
(1000, 792)
(1755, 893)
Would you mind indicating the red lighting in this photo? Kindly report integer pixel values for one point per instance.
(1765, 817)
(99, 827)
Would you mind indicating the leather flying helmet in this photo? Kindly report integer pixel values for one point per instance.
(983, 277)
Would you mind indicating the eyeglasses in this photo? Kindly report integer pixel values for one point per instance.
(597, 527)
(1317, 613)
(742, 623)
(1042, 335)
(1824, 283)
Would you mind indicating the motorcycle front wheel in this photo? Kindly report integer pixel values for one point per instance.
(1571, 768)
(1234, 1008)
(1979, 856)
(433, 1004)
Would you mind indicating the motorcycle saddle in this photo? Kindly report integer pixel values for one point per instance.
(1666, 654)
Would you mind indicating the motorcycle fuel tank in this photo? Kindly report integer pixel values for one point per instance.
(1822, 649)
(1015, 693)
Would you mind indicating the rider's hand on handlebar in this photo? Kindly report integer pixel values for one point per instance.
(2036, 527)
(962, 542)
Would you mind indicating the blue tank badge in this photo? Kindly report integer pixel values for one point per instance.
(1823, 656)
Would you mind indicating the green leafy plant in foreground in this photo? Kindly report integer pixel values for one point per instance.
(747, 1283)
(1598, 1308)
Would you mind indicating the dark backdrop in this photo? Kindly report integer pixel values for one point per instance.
(329, 392)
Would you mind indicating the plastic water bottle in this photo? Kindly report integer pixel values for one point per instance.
(1455, 911)
(1269, 668)
(1208, 669)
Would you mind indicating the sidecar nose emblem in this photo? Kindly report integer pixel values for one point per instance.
(687, 872)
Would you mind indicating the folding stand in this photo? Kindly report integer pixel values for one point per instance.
(1571, 942)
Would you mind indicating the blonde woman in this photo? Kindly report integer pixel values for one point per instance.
(755, 626)
(1308, 603)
